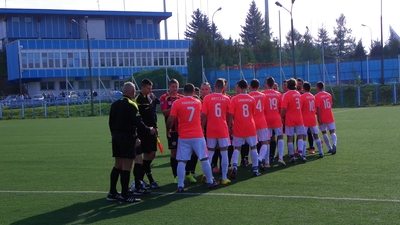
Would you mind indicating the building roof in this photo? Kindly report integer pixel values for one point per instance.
(14, 11)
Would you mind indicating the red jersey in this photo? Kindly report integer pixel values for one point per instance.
(308, 109)
(323, 101)
(187, 110)
(216, 107)
(242, 108)
(166, 101)
(292, 103)
(272, 108)
(259, 117)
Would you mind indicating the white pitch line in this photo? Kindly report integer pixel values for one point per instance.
(347, 110)
(213, 194)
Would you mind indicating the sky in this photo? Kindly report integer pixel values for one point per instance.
(306, 13)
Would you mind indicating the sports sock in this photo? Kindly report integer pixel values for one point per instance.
(334, 138)
(224, 164)
(319, 146)
(174, 165)
(304, 148)
(207, 171)
(114, 175)
(230, 153)
(267, 155)
(263, 152)
(147, 170)
(137, 173)
(125, 175)
(191, 164)
(272, 149)
(244, 151)
(211, 157)
(235, 157)
(214, 161)
(327, 142)
(280, 148)
(310, 139)
(300, 145)
(290, 148)
(181, 174)
(254, 157)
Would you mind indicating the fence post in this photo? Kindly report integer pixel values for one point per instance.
(376, 94)
(367, 70)
(358, 96)
(45, 109)
(1, 111)
(22, 109)
(341, 97)
(394, 94)
(56, 108)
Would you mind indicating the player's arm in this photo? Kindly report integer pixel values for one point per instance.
(283, 113)
(203, 121)
(166, 112)
(230, 122)
(319, 115)
(170, 122)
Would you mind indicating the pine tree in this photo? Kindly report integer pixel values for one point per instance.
(343, 43)
(254, 29)
(199, 22)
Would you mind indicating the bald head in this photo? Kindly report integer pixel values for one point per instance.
(129, 89)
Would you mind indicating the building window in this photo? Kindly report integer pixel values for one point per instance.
(114, 58)
(30, 60)
(63, 85)
(57, 60)
(70, 59)
(84, 84)
(95, 58)
(138, 21)
(28, 19)
(51, 59)
(183, 59)
(84, 59)
(131, 59)
(46, 86)
(106, 84)
(155, 59)
(108, 59)
(118, 85)
(64, 59)
(15, 19)
(37, 60)
(172, 58)
(24, 60)
(76, 59)
(102, 59)
(149, 21)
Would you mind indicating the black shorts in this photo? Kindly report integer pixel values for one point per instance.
(148, 144)
(173, 140)
(123, 146)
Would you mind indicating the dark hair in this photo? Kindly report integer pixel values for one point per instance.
(270, 81)
(173, 81)
(300, 80)
(196, 89)
(306, 86)
(320, 85)
(254, 83)
(219, 83)
(188, 88)
(242, 84)
(291, 84)
(145, 82)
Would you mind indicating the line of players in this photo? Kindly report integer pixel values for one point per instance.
(246, 118)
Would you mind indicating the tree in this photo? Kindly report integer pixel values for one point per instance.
(254, 29)
(323, 42)
(199, 22)
(392, 48)
(343, 43)
(200, 47)
(307, 50)
(375, 51)
(359, 51)
(158, 76)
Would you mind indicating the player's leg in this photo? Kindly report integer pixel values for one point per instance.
(183, 155)
(172, 145)
(244, 151)
(199, 146)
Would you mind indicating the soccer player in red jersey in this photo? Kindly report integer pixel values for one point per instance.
(213, 120)
(291, 114)
(191, 137)
(242, 109)
(205, 89)
(325, 116)
(272, 115)
(166, 101)
(310, 123)
(261, 124)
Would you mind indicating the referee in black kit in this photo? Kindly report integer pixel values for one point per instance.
(123, 122)
(148, 144)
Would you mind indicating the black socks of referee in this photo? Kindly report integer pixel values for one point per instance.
(138, 174)
(125, 175)
(147, 170)
(114, 175)
(174, 166)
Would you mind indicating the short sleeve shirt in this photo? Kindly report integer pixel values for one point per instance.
(187, 110)
(308, 109)
(292, 103)
(272, 108)
(259, 117)
(242, 108)
(166, 101)
(216, 107)
(323, 101)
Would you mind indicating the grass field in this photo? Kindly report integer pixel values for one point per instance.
(56, 171)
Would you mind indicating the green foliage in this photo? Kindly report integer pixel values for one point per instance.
(343, 43)
(199, 22)
(157, 76)
(254, 29)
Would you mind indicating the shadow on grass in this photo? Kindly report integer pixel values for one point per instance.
(97, 210)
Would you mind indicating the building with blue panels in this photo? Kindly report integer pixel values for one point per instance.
(47, 50)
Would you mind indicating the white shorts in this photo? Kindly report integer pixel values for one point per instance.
(185, 147)
(299, 130)
(239, 141)
(329, 126)
(222, 142)
(263, 134)
(278, 131)
(314, 129)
